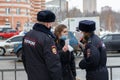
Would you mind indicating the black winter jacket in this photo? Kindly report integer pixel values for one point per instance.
(67, 61)
(94, 60)
(40, 57)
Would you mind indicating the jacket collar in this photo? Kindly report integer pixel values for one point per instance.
(43, 28)
(90, 38)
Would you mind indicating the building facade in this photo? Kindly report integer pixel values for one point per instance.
(89, 6)
(59, 7)
(106, 8)
(16, 13)
(36, 6)
(109, 19)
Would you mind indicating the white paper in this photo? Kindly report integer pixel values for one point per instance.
(69, 47)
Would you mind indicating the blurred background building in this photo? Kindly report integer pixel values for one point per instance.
(89, 6)
(57, 3)
(106, 8)
(59, 7)
(14, 13)
(17, 13)
(36, 6)
(108, 19)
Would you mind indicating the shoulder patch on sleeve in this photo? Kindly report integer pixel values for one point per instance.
(54, 50)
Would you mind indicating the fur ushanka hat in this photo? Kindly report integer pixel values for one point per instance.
(87, 26)
(46, 16)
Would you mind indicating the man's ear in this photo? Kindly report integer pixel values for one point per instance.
(47, 24)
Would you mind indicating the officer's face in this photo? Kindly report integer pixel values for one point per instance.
(85, 35)
(49, 25)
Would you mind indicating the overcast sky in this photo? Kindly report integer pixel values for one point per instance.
(100, 3)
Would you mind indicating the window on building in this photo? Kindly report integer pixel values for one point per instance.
(26, 1)
(7, 23)
(18, 25)
(26, 11)
(7, 10)
(8, 0)
(18, 0)
(18, 11)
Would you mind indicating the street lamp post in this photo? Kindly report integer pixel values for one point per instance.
(12, 16)
(60, 18)
(68, 16)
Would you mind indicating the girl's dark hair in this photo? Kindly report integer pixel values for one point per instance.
(59, 29)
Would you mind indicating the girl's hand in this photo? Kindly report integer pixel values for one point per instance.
(65, 48)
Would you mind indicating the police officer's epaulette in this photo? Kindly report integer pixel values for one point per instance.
(49, 36)
(89, 41)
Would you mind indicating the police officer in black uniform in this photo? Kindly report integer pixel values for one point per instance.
(94, 60)
(40, 57)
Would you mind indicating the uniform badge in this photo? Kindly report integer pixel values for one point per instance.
(54, 51)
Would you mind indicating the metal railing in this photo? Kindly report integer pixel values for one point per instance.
(15, 68)
(111, 71)
(10, 70)
(109, 67)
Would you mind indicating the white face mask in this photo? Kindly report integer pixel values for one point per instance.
(64, 37)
